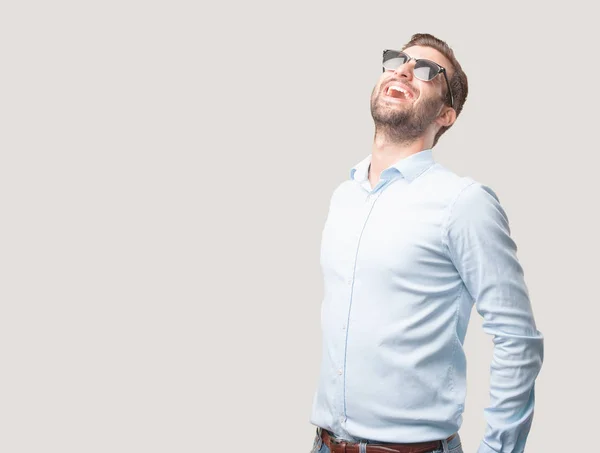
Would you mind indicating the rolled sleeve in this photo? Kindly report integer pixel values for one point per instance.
(485, 255)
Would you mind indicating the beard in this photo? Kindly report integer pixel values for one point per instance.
(400, 123)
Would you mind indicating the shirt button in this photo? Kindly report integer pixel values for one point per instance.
(349, 282)
(340, 371)
(344, 327)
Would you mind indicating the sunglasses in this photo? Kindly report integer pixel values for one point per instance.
(425, 70)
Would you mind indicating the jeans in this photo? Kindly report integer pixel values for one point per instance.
(454, 446)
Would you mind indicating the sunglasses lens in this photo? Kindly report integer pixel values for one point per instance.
(393, 59)
(426, 70)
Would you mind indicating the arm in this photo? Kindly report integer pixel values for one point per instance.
(479, 244)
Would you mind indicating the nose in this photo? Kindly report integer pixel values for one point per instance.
(405, 70)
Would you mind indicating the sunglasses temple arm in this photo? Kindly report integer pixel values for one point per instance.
(449, 89)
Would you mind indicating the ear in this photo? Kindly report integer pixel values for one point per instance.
(447, 117)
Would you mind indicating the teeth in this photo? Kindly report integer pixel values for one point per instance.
(402, 90)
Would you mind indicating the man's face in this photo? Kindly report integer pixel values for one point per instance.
(408, 109)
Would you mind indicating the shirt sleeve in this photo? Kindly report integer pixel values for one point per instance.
(485, 255)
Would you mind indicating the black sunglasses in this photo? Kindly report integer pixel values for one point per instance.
(425, 70)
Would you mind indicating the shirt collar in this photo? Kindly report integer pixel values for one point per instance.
(409, 167)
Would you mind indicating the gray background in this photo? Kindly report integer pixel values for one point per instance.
(164, 178)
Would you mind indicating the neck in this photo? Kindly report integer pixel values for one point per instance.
(386, 152)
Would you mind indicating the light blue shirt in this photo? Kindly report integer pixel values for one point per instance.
(403, 263)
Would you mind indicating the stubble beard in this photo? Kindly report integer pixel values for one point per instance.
(402, 124)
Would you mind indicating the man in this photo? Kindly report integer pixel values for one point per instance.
(407, 249)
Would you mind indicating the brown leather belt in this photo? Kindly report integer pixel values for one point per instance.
(351, 447)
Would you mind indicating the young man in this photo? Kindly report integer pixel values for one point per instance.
(408, 247)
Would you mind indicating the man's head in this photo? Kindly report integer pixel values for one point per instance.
(405, 107)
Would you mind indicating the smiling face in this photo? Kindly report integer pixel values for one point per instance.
(405, 106)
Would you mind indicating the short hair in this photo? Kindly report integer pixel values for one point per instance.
(458, 82)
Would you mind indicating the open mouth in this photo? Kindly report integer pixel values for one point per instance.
(398, 92)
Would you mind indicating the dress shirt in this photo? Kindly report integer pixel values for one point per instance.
(403, 264)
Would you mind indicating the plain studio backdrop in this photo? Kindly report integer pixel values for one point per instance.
(166, 169)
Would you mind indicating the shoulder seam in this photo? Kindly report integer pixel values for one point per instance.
(450, 209)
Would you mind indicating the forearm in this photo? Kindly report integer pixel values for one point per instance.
(516, 362)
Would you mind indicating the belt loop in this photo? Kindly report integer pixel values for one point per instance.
(362, 447)
(445, 446)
